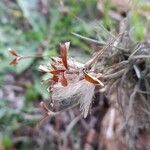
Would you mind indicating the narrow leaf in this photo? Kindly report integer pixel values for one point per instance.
(92, 79)
(64, 53)
(13, 62)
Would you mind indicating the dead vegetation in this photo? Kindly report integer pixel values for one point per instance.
(124, 111)
(126, 74)
(103, 103)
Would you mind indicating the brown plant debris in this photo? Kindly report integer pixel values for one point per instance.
(124, 77)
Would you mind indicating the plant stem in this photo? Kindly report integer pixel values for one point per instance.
(140, 56)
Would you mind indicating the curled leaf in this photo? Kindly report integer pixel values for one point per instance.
(15, 60)
(64, 53)
(92, 79)
(13, 52)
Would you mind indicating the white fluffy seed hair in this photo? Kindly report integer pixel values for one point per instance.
(81, 92)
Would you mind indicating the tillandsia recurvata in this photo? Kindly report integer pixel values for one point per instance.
(71, 83)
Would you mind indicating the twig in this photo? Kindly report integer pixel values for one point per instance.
(140, 56)
(96, 41)
(96, 57)
(135, 50)
(119, 91)
(120, 64)
(144, 92)
(113, 75)
(106, 30)
(42, 56)
(72, 124)
(89, 39)
(131, 104)
(110, 131)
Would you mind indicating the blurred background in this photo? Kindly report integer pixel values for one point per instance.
(36, 27)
